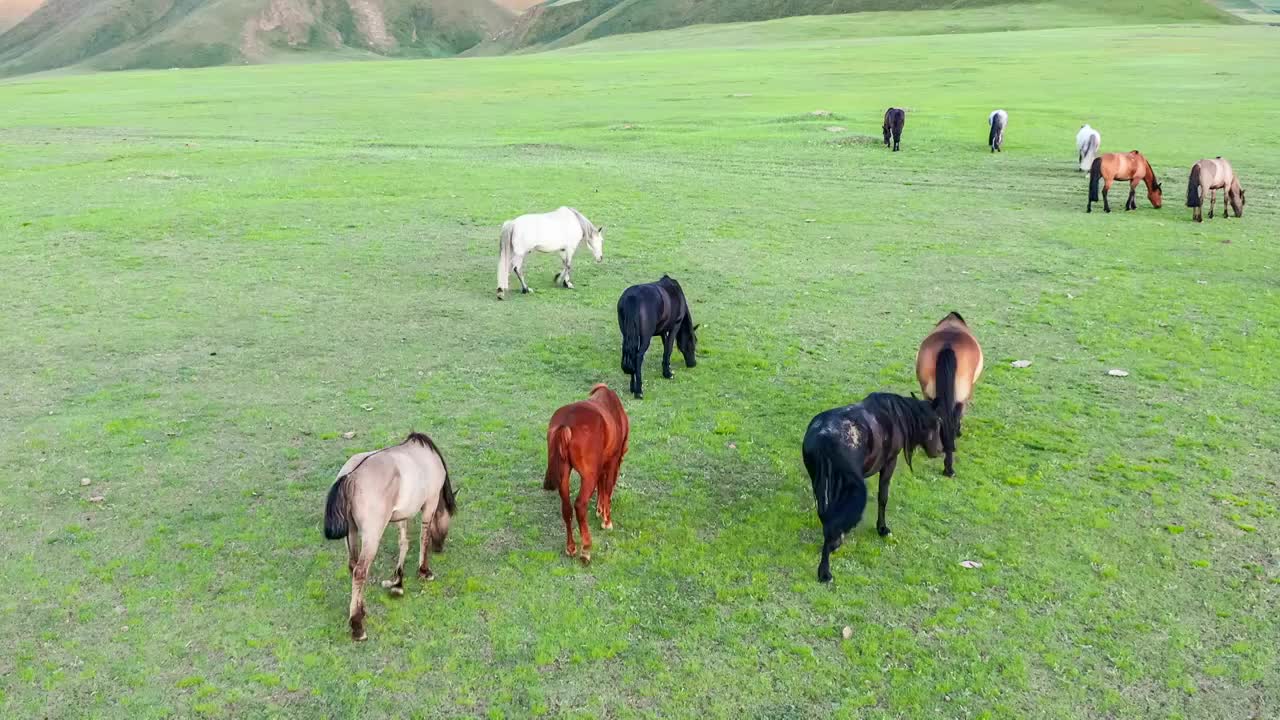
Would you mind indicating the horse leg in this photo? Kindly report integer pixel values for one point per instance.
(1213, 199)
(396, 583)
(1106, 188)
(563, 276)
(667, 343)
(566, 512)
(353, 550)
(424, 550)
(1131, 203)
(589, 479)
(368, 549)
(638, 377)
(604, 494)
(519, 268)
(882, 497)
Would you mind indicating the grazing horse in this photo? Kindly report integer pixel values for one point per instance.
(592, 438)
(385, 486)
(1131, 166)
(997, 120)
(845, 445)
(559, 231)
(654, 309)
(948, 365)
(1088, 141)
(894, 119)
(1209, 176)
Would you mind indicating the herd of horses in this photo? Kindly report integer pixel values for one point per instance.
(842, 447)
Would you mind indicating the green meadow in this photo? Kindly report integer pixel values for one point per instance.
(211, 276)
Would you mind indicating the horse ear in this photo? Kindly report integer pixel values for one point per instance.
(695, 327)
(913, 395)
(600, 229)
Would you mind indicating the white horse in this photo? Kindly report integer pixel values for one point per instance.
(1087, 142)
(997, 120)
(559, 231)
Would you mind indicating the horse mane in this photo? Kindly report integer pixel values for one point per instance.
(587, 226)
(597, 388)
(955, 315)
(910, 417)
(446, 492)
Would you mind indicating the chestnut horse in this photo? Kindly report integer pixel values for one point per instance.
(1131, 166)
(386, 486)
(590, 437)
(948, 365)
(1210, 176)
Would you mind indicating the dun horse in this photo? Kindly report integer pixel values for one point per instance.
(1088, 141)
(995, 138)
(654, 309)
(1210, 176)
(559, 231)
(948, 365)
(592, 438)
(845, 445)
(894, 119)
(1131, 166)
(385, 486)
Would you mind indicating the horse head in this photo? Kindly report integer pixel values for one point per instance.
(1155, 195)
(1235, 196)
(595, 241)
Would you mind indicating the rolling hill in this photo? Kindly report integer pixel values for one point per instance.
(123, 34)
(120, 34)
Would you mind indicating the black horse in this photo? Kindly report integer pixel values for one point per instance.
(894, 119)
(657, 308)
(845, 445)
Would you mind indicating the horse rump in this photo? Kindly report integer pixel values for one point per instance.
(632, 333)
(558, 464)
(839, 490)
(1193, 188)
(336, 510)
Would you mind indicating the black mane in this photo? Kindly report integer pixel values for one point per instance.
(912, 419)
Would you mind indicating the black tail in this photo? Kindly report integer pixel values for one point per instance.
(991, 136)
(1095, 175)
(1193, 188)
(629, 323)
(336, 524)
(944, 383)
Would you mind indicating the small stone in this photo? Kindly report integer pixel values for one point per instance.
(1116, 372)
(836, 129)
(85, 482)
(846, 633)
(348, 435)
(971, 564)
(97, 499)
(1020, 363)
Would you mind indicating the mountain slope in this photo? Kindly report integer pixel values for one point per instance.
(119, 34)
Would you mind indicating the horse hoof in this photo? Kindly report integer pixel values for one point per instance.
(585, 558)
(639, 396)
(669, 375)
(949, 472)
(824, 576)
(361, 637)
(571, 551)
(526, 291)
(397, 592)
(607, 526)
(884, 531)
(428, 575)
(569, 286)
(501, 296)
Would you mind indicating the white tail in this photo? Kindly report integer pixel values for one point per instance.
(504, 256)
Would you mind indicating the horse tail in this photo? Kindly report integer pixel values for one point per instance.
(337, 510)
(944, 383)
(504, 253)
(558, 465)
(840, 491)
(1095, 174)
(995, 128)
(1193, 187)
(629, 323)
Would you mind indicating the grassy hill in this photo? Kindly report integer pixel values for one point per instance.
(120, 34)
(566, 23)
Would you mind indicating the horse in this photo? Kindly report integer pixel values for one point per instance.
(845, 445)
(948, 365)
(998, 119)
(591, 437)
(1088, 141)
(1131, 166)
(386, 486)
(557, 231)
(1210, 175)
(894, 119)
(655, 309)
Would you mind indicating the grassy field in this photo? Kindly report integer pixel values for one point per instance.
(211, 275)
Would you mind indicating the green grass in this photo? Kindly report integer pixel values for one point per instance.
(211, 275)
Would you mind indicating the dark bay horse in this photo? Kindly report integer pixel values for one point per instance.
(948, 365)
(1209, 176)
(845, 445)
(894, 119)
(592, 438)
(387, 486)
(1131, 166)
(654, 309)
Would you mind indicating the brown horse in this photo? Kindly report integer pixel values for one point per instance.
(386, 486)
(590, 437)
(948, 365)
(1210, 176)
(1131, 166)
